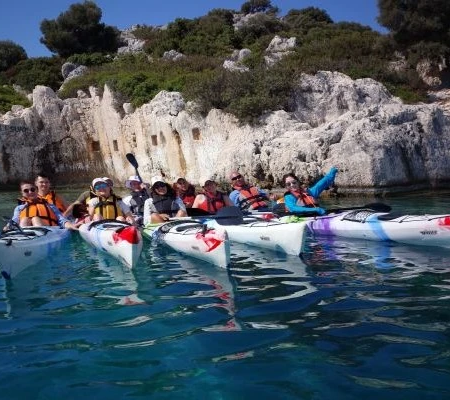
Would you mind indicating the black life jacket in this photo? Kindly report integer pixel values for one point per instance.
(137, 201)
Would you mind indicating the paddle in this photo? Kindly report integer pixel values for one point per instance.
(230, 215)
(132, 160)
(378, 207)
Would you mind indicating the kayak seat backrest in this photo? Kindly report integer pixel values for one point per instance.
(358, 215)
(390, 216)
(184, 227)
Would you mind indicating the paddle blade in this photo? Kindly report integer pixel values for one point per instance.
(132, 160)
(230, 215)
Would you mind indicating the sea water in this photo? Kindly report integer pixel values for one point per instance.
(351, 320)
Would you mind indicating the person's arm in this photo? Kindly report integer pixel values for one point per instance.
(323, 183)
(62, 221)
(227, 201)
(181, 208)
(234, 197)
(198, 200)
(290, 203)
(149, 209)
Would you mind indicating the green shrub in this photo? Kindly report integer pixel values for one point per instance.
(36, 71)
(9, 97)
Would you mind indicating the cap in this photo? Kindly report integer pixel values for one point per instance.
(109, 181)
(203, 181)
(97, 180)
(132, 178)
(157, 179)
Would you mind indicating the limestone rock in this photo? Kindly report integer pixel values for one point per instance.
(378, 143)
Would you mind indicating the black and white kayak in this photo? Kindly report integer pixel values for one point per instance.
(422, 230)
(192, 239)
(23, 247)
(119, 239)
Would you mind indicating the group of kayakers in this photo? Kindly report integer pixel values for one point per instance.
(158, 201)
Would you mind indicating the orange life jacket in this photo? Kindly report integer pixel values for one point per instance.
(212, 203)
(304, 199)
(38, 208)
(250, 198)
(52, 198)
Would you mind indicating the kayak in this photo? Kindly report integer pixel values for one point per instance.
(274, 234)
(192, 239)
(119, 239)
(21, 248)
(423, 230)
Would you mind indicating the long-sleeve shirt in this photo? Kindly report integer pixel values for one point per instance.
(290, 200)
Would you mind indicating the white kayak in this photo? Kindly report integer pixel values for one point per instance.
(119, 239)
(21, 248)
(274, 234)
(426, 230)
(192, 239)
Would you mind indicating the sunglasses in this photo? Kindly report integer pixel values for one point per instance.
(159, 185)
(101, 186)
(292, 183)
(32, 190)
(236, 178)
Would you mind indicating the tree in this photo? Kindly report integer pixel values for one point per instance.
(255, 6)
(78, 31)
(10, 54)
(414, 21)
(305, 19)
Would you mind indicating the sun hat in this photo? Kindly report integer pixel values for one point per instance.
(98, 180)
(132, 178)
(156, 179)
(109, 181)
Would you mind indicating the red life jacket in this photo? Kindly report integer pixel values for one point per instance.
(188, 196)
(212, 203)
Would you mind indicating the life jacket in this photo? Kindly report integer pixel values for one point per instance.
(304, 199)
(137, 201)
(108, 208)
(188, 196)
(165, 204)
(38, 208)
(212, 203)
(52, 198)
(250, 198)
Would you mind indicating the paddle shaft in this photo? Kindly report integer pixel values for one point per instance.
(132, 160)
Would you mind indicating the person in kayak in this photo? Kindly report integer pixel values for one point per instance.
(185, 191)
(298, 198)
(138, 194)
(246, 196)
(211, 200)
(163, 203)
(78, 209)
(43, 186)
(35, 211)
(106, 205)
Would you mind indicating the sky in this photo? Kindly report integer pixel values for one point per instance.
(21, 19)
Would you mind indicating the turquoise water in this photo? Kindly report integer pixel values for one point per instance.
(353, 320)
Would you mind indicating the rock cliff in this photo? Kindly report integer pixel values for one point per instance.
(378, 143)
